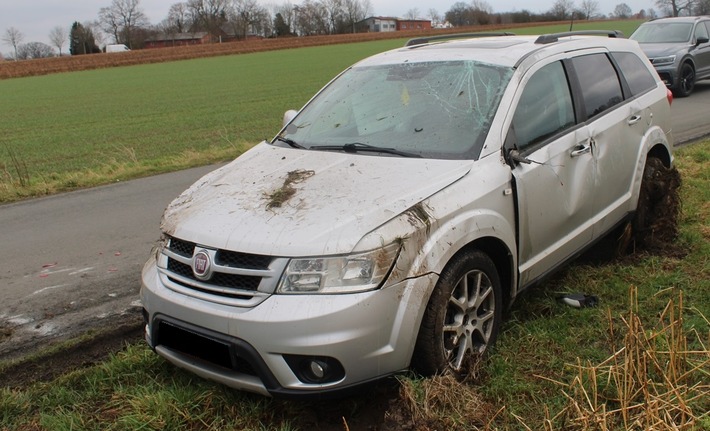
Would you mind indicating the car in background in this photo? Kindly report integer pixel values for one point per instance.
(403, 208)
(679, 49)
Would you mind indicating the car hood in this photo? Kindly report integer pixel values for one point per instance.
(653, 50)
(288, 202)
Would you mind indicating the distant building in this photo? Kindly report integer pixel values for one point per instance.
(177, 39)
(378, 24)
(413, 24)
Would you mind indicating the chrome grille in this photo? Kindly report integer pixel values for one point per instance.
(183, 248)
(242, 260)
(236, 281)
(240, 279)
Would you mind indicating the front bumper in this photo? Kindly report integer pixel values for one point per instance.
(668, 74)
(267, 348)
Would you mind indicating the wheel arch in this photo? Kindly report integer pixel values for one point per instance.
(503, 260)
(659, 151)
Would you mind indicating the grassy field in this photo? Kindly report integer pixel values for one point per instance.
(639, 361)
(70, 130)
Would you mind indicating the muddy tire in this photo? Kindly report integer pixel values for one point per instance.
(462, 318)
(655, 222)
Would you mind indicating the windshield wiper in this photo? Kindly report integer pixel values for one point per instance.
(290, 142)
(357, 147)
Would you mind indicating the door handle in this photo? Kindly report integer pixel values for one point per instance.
(580, 150)
(634, 119)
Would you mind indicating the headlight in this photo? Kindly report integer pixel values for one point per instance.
(659, 61)
(338, 274)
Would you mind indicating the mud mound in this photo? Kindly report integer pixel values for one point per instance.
(654, 228)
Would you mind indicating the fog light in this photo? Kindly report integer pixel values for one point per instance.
(315, 369)
(319, 369)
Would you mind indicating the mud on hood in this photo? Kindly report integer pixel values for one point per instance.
(287, 202)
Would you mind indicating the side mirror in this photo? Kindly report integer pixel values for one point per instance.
(701, 40)
(515, 156)
(288, 116)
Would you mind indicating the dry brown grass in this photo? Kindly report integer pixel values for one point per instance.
(652, 382)
(440, 402)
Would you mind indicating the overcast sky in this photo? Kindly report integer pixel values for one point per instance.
(35, 18)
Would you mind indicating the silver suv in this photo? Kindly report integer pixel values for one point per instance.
(403, 208)
(679, 49)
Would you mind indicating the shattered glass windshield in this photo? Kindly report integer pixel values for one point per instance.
(435, 110)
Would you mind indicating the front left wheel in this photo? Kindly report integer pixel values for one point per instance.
(686, 80)
(462, 318)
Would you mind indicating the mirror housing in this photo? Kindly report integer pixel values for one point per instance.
(515, 156)
(288, 116)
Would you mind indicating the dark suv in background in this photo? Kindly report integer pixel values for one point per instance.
(679, 49)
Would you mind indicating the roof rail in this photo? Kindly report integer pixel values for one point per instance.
(428, 39)
(554, 37)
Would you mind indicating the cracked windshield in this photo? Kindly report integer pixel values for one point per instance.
(435, 110)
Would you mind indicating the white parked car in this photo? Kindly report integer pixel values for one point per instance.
(402, 209)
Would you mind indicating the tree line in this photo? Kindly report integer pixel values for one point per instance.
(124, 21)
(479, 12)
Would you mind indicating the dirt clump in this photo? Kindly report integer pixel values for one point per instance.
(654, 227)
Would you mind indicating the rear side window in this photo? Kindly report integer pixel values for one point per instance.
(635, 72)
(600, 85)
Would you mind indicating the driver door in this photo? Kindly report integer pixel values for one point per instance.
(556, 190)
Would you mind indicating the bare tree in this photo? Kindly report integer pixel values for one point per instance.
(208, 15)
(482, 5)
(178, 20)
(702, 7)
(286, 11)
(96, 31)
(246, 16)
(434, 16)
(334, 11)
(562, 9)
(589, 8)
(676, 7)
(13, 37)
(356, 11)
(34, 50)
(122, 19)
(412, 13)
(59, 36)
(622, 11)
(311, 18)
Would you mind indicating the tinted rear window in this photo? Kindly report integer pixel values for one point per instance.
(635, 71)
(600, 84)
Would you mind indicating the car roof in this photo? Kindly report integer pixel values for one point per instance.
(682, 19)
(506, 51)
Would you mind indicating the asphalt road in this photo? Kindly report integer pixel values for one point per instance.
(70, 263)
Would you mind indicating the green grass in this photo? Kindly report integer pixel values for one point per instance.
(71, 130)
(522, 381)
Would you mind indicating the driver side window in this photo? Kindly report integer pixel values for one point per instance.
(545, 107)
(701, 31)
